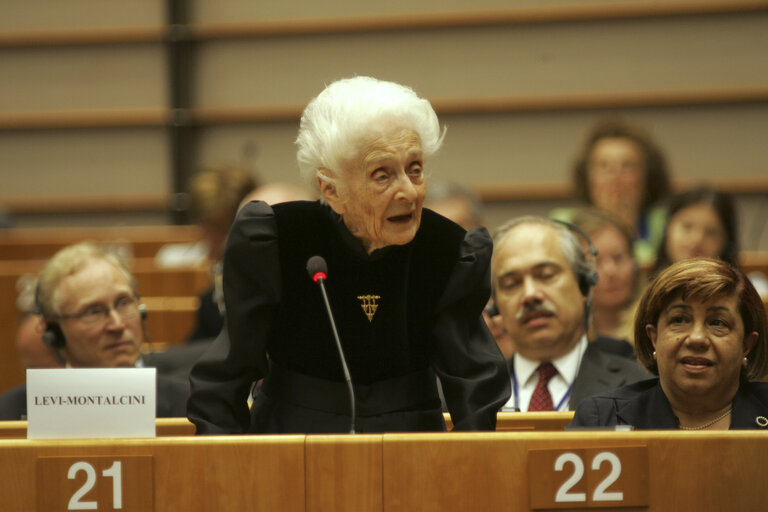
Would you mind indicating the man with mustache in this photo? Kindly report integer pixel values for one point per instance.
(542, 282)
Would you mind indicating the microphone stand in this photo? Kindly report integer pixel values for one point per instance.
(344, 367)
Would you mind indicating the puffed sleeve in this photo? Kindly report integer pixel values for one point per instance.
(221, 380)
(472, 371)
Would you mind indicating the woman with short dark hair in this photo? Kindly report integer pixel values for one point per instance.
(701, 327)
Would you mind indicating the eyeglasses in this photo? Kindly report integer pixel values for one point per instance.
(126, 307)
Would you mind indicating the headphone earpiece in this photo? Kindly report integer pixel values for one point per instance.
(589, 278)
(587, 281)
(143, 314)
(53, 336)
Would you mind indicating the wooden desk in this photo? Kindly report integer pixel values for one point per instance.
(164, 427)
(702, 471)
(527, 421)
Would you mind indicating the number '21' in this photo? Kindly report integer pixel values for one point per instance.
(114, 472)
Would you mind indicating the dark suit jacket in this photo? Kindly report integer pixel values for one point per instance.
(615, 346)
(171, 400)
(177, 362)
(209, 320)
(601, 371)
(644, 406)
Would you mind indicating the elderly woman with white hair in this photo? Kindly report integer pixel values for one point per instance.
(406, 286)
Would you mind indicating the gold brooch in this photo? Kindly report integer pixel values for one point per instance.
(369, 305)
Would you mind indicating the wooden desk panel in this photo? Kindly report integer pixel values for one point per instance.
(191, 474)
(469, 472)
(227, 473)
(527, 421)
(344, 473)
(402, 472)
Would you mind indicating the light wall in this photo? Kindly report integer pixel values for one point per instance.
(704, 48)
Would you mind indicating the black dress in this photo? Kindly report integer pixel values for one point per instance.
(405, 314)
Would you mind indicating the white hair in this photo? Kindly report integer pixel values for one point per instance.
(348, 112)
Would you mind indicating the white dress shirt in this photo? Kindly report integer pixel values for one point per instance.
(525, 372)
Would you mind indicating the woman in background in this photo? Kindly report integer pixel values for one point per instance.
(702, 223)
(614, 296)
(621, 170)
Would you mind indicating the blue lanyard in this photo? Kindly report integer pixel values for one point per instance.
(517, 396)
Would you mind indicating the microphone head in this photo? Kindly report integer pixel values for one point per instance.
(317, 268)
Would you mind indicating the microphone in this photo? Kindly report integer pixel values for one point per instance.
(317, 269)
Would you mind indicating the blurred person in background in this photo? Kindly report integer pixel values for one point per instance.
(702, 223)
(215, 195)
(454, 202)
(33, 353)
(278, 192)
(614, 296)
(621, 170)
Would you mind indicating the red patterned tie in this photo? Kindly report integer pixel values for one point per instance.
(541, 400)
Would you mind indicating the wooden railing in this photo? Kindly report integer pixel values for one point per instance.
(110, 118)
(392, 22)
(41, 243)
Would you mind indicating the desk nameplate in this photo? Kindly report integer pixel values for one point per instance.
(614, 477)
(103, 484)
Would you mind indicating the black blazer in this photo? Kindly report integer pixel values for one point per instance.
(615, 346)
(644, 406)
(171, 401)
(601, 371)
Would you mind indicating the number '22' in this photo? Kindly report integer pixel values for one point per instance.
(563, 493)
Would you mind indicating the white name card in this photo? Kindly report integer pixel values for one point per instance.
(91, 402)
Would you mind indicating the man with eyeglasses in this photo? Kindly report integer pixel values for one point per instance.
(93, 318)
